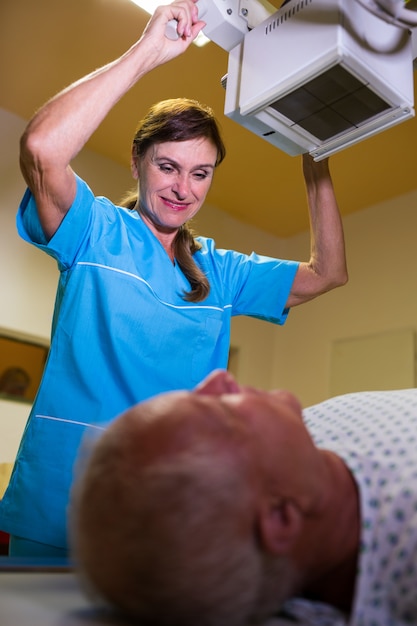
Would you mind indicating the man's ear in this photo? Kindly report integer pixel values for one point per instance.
(134, 164)
(279, 524)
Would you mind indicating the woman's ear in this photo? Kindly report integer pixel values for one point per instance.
(134, 163)
(279, 525)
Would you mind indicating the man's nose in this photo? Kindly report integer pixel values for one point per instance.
(217, 383)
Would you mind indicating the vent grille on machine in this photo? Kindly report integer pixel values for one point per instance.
(286, 15)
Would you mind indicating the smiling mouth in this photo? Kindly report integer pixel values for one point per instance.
(175, 205)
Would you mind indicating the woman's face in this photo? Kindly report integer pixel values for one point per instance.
(174, 178)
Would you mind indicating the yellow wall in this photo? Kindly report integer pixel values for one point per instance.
(381, 296)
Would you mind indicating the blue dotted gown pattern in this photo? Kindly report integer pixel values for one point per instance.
(375, 433)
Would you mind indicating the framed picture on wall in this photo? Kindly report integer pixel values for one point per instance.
(22, 360)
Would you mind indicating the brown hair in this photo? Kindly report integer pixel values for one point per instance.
(180, 119)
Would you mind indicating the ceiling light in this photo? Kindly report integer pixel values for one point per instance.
(150, 5)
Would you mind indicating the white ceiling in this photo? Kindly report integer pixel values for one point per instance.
(47, 44)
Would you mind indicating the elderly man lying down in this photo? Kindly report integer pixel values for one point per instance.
(227, 505)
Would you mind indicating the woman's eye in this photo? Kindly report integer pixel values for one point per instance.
(166, 168)
(200, 175)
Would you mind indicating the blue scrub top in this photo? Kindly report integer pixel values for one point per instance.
(121, 333)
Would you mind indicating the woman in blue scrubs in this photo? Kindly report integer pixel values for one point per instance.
(142, 305)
